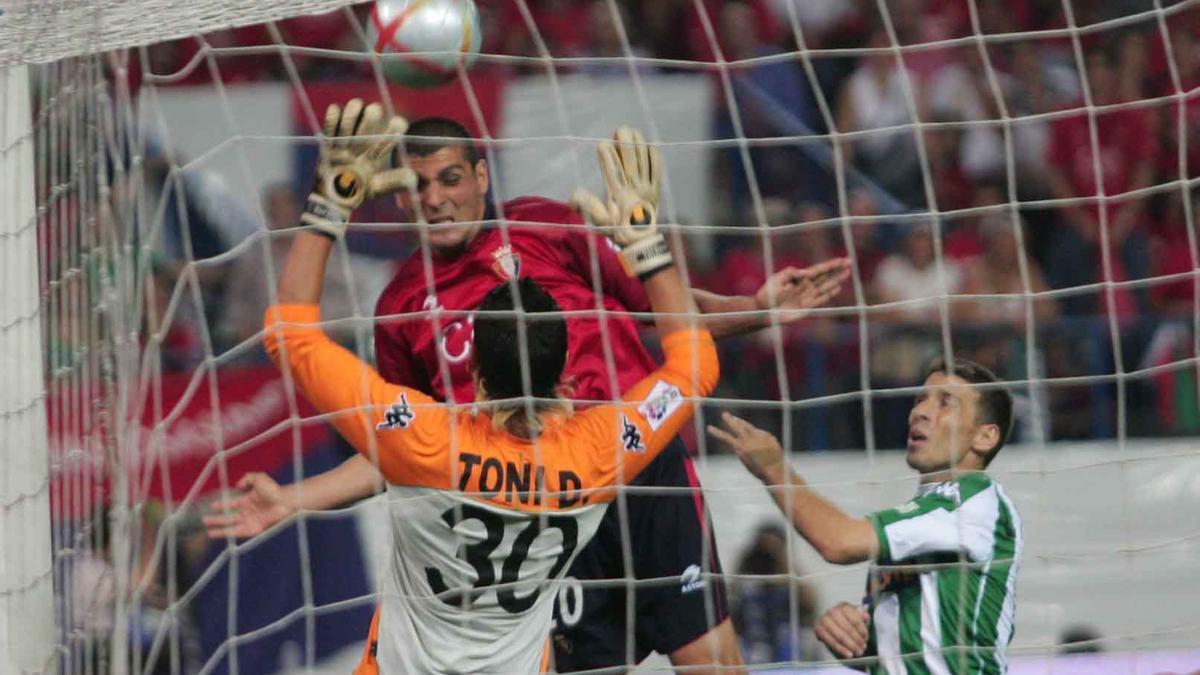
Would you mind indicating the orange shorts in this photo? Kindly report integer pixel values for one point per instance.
(368, 665)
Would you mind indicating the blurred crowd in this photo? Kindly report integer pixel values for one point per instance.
(1024, 201)
(980, 171)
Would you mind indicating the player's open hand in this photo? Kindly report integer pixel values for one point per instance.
(629, 216)
(795, 290)
(759, 450)
(261, 504)
(843, 629)
(354, 164)
(631, 170)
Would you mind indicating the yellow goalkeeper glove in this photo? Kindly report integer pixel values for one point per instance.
(630, 216)
(353, 165)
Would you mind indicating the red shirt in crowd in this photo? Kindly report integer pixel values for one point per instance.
(1125, 138)
(412, 350)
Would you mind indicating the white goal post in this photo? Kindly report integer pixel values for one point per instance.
(26, 571)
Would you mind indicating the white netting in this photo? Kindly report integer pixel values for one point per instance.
(1013, 182)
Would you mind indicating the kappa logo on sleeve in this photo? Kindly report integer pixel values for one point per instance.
(631, 436)
(663, 400)
(398, 416)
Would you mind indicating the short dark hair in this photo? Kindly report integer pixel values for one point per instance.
(439, 132)
(497, 342)
(995, 402)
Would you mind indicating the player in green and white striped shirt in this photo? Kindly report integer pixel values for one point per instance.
(942, 590)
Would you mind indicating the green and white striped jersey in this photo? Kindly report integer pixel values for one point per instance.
(942, 593)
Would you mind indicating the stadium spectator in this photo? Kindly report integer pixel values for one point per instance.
(556, 25)
(818, 19)
(999, 272)
(1174, 391)
(180, 347)
(910, 333)
(874, 98)
(953, 188)
(604, 41)
(1186, 52)
(912, 277)
(868, 235)
(962, 238)
(991, 330)
(1133, 61)
(1126, 161)
(773, 610)
(702, 20)
(327, 30)
(961, 91)
(773, 100)
(1031, 94)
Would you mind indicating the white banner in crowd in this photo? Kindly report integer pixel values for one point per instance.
(538, 113)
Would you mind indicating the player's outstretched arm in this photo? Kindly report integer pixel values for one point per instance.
(838, 537)
(632, 177)
(261, 502)
(789, 293)
(351, 169)
(666, 398)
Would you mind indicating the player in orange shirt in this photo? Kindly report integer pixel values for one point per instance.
(490, 503)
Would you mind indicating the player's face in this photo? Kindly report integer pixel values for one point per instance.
(942, 424)
(452, 197)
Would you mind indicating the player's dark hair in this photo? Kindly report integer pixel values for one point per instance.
(430, 134)
(498, 352)
(995, 400)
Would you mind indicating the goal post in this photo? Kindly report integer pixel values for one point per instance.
(26, 571)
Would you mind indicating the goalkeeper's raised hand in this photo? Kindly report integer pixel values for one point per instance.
(629, 216)
(354, 165)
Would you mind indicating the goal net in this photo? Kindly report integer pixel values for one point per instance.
(1012, 182)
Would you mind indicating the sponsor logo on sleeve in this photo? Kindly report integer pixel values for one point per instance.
(663, 400)
(691, 579)
(398, 416)
(631, 436)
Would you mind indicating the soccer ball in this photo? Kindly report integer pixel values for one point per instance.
(400, 30)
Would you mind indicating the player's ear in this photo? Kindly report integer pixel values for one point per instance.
(984, 441)
(481, 175)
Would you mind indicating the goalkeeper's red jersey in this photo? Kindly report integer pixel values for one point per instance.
(419, 347)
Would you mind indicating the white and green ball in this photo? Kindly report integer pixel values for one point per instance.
(423, 42)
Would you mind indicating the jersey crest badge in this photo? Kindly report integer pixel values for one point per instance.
(398, 416)
(631, 436)
(663, 400)
(506, 263)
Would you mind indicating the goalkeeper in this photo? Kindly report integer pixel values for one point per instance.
(942, 593)
(532, 476)
(686, 621)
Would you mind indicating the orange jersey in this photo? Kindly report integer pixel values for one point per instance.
(485, 523)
